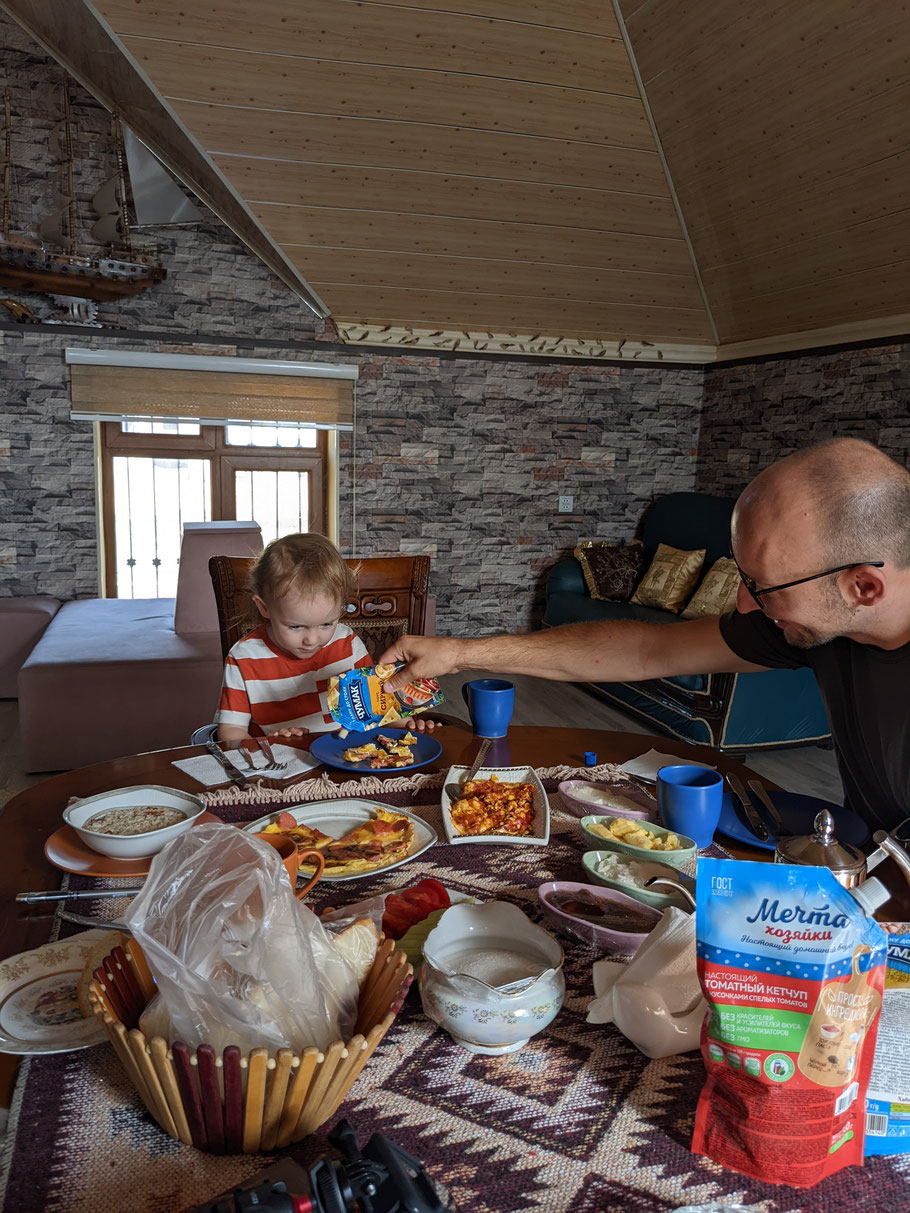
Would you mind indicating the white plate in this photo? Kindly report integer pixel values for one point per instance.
(39, 1010)
(336, 817)
(541, 835)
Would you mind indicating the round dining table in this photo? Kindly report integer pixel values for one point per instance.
(580, 1109)
(30, 817)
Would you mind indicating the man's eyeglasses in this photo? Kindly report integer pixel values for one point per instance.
(758, 594)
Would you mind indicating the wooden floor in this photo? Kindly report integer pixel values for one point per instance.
(807, 769)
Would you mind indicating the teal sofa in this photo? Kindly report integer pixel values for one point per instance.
(734, 712)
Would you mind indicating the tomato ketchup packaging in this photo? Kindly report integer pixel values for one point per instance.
(793, 972)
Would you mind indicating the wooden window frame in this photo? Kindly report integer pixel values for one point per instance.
(224, 459)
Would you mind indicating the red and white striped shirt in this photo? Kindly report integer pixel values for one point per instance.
(265, 689)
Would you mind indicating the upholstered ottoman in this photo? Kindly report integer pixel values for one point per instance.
(22, 621)
(112, 677)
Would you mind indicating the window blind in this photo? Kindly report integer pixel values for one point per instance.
(212, 391)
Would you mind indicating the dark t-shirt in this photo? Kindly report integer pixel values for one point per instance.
(866, 691)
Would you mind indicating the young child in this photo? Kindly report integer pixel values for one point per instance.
(275, 678)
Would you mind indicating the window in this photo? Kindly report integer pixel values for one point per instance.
(157, 474)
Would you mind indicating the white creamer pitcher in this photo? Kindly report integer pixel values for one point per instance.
(490, 977)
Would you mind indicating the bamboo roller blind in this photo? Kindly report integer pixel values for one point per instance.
(110, 393)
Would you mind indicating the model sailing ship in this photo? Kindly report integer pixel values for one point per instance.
(53, 263)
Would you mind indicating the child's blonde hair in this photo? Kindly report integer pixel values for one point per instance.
(308, 564)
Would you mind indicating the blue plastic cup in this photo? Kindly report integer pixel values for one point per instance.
(490, 705)
(689, 800)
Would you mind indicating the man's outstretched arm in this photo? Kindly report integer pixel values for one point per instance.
(624, 651)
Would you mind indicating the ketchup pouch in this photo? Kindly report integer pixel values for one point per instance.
(357, 700)
(793, 972)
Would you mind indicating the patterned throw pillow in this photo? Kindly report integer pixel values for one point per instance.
(717, 593)
(670, 579)
(611, 570)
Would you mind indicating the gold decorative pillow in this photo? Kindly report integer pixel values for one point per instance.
(717, 593)
(611, 570)
(670, 579)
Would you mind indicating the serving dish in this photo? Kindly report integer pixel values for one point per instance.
(66, 851)
(39, 1007)
(673, 859)
(540, 834)
(329, 748)
(647, 805)
(337, 817)
(648, 897)
(132, 846)
(606, 937)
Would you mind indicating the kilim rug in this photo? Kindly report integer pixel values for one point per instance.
(578, 1120)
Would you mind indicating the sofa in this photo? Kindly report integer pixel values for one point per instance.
(116, 676)
(771, 709)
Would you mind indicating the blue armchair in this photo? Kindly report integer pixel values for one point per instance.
(739, 712)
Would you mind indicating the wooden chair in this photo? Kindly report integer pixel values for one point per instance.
(391, 598)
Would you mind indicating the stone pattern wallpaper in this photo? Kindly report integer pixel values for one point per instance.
(461, 458)
(755, 412)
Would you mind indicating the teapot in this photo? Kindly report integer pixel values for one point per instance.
(849, 866)
(491, 977)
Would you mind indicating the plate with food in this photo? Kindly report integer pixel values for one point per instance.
(640, 839)
(500, 804)
(356, 837)
(43, 1007)
(384, 749)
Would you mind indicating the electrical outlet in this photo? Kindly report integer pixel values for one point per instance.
(565, 505)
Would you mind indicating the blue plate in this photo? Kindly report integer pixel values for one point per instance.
(329, 748)
(798, 813)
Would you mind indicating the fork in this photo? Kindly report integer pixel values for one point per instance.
(273, 764)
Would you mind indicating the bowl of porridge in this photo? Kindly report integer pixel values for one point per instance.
(130, 823)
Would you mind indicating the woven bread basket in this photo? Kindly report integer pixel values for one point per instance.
(234, 1103)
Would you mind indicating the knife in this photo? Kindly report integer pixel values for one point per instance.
(758, 827)
(762, 794)
(229, 769)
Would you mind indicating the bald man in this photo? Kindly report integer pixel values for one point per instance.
(822, 542)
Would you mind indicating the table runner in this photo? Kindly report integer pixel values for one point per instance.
(578, 1120)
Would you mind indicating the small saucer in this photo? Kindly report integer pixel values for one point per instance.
(66, 850)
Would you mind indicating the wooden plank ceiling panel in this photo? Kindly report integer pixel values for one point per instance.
(784, 127)
(530, 279)
(343, 31)
(435, 194)
(395, 232)
(323, 86)
(428, 155)
(379, 305)
(369, 142)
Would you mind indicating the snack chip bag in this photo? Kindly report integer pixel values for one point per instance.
(888, 1097)
(793, 971)
(357, 700)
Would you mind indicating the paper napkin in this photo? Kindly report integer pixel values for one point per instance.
(208, 771)
(647, 765)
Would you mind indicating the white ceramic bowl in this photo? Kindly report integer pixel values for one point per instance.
(132, 846)
(458, 983)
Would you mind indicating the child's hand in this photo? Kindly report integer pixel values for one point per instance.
(421, 724)
(288, 733)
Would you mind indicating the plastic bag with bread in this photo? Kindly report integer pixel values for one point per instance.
(237, 959)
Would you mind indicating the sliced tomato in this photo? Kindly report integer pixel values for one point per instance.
(427, 892)
(397, 917)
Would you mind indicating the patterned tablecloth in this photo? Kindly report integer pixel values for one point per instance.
(578, 1120)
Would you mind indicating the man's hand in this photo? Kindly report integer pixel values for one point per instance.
(288, 733)
(420, 724)
(425, 657)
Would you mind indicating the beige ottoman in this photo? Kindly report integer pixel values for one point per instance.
(22, 621)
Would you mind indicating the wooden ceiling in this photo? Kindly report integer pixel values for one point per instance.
(652, 179)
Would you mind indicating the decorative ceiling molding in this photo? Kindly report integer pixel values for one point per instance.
(465, 342)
